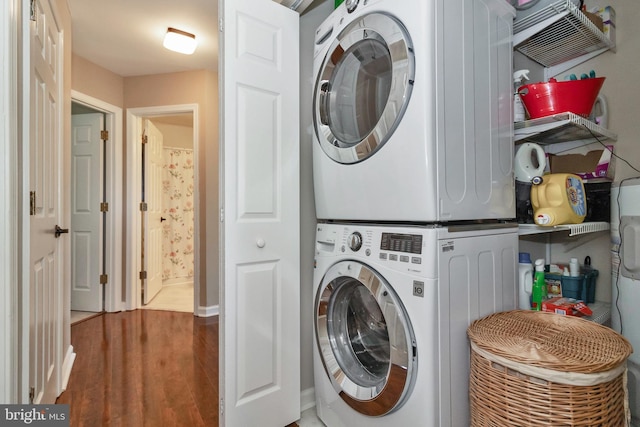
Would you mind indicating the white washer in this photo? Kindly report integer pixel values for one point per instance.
(412, 111)
(391, 309)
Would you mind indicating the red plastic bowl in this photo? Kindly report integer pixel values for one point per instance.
(546, 99)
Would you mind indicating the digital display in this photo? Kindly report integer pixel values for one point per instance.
(409, 243)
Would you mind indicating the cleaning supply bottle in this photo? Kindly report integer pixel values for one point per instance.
(525, 281)
(519, 114)
(558, 198)
(539, 291)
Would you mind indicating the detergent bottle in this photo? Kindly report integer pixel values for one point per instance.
(557, 199)
(525, 281)
(539, 291)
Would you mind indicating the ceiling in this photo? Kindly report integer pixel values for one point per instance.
(125, 36)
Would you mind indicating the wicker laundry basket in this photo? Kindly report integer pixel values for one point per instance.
(533, 368)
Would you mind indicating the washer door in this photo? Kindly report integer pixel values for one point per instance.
(363, 87)
(365, 339)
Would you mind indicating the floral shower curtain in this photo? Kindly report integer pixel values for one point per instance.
(177, 209)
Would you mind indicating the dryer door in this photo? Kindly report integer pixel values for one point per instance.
(365, 339)
(363, 87)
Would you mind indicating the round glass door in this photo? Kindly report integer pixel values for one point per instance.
(363, 87)
(365, 339)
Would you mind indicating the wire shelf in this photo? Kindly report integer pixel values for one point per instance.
(573, 229)
(558, 33)
(563, 127)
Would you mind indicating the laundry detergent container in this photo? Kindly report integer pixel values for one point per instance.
(531, 368)
(553, 97)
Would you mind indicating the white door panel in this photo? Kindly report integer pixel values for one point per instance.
(86, 291)
(45, 182)
(152, 252)
(260, 279)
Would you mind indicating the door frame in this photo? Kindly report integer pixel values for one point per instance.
(114, 166)
(133, 263)
(14, 358)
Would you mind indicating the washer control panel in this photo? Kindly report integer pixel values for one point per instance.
(402, 249)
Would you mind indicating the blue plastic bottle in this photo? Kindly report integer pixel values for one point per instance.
(539, 291)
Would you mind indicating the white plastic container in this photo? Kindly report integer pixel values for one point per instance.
(525, 281)
(574, 267)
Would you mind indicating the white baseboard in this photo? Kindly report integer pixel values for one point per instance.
(307, 399)
(69, 358)
(212, 310)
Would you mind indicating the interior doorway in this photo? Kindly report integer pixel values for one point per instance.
(96, 207)
(139, 212)
(175, 242)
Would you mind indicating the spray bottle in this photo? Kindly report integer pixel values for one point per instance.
(539, 292)
(518, 109)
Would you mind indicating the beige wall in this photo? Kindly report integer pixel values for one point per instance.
(93, 80)
(175, 136)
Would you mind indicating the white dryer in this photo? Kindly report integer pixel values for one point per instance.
(412, 111)
(392, 305)
(625, 278)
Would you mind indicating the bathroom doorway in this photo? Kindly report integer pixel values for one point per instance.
(175, 225)
(144, 192)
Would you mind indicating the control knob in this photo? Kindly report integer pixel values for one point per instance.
(351, 5)
(355, 241)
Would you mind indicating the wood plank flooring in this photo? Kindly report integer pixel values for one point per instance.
(144, 368)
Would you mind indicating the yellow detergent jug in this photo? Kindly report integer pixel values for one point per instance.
(558, 198)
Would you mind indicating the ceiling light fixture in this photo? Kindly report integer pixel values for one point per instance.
(180, 41)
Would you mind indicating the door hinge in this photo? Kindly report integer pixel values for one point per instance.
(221, 214)
(32, 203)
(33, 10)
(104, 207)
(143, 206)
(221, 25)
(144, 139)
(104, 279)
(143, 275)
(104, 135)
(32, 395)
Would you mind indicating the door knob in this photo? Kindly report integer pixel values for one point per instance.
(58, 231)
(260, 243)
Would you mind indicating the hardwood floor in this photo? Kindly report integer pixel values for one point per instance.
(144, 368)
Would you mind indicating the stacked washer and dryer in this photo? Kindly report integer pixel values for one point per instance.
(414, 190)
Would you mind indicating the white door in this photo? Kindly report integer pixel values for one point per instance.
(152, 226)
(45, 182)
(86, 194)
(260, 265)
